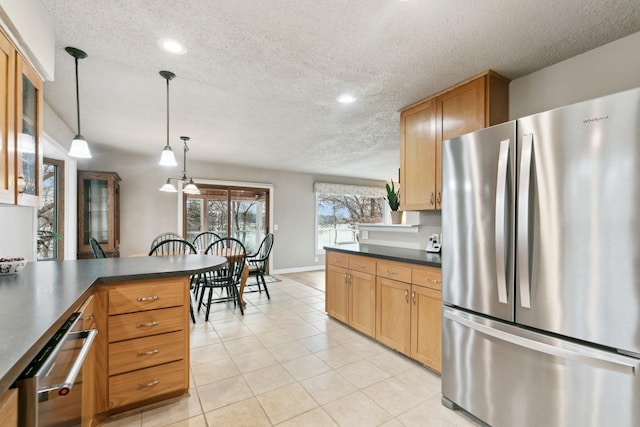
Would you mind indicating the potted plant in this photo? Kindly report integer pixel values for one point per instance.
(393, 198)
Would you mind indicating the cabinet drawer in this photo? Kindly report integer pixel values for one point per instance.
(142, 353)
(395, 271)
(430, 277)
(138, 386)
(337, 259)
(146, 323)
(364, 264)
(148, 295)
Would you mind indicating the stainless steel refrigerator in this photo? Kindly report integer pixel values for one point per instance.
(541, 268)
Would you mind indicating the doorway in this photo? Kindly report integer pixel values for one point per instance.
(238, 212)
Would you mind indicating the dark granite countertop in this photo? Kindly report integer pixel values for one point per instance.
(415, 256)
(35, 302)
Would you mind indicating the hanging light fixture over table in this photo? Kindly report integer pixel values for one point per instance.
(189, 187)
(79, 147)
(167, 158)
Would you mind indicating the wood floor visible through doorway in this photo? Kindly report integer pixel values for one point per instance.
(315, 279)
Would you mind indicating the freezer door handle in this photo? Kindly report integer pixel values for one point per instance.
(523, 222)
(613, 362)
(501, 223)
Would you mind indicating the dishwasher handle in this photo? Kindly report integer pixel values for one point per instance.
(64, 388)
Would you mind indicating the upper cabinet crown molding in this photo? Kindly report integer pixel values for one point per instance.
(476, 103)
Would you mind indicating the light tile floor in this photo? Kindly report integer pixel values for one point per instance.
(285, 363)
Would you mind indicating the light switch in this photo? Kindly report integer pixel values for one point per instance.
(275, 227)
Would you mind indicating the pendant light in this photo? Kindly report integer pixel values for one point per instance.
(189, 187)
(167, 158)
(79, 147)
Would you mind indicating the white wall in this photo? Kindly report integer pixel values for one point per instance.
(611, 68)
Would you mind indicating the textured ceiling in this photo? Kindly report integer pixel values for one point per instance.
(259, 83)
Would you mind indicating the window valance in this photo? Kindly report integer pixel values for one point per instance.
(348, 190)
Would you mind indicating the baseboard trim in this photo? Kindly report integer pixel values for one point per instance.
(297, 269)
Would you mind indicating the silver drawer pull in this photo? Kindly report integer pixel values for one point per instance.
(433, 281)
(148, 325)
(153, 298)
(392, 272)
(149, 385)
(337, 261)
(148, 353)
(361, 266)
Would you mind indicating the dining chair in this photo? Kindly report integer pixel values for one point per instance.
(225, 279)
(258, 262)
(165, 236)
(202, 240)
(178, 247)
(96, 248)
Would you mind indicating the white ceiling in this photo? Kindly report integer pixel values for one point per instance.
(259, 83)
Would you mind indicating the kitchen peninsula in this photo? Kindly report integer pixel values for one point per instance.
(37, 301)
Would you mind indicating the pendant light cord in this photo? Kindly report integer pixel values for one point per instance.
(168, 111)
(78, 97)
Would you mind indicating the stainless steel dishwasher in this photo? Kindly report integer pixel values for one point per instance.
(50, 388)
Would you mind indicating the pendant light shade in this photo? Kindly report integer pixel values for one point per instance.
(188, 186)
(79, 147)
(191, 188)
(169, 187)
(167, 158)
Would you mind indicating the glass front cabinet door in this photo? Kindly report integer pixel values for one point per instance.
(28, 134)
(98, 212)
(20, 128)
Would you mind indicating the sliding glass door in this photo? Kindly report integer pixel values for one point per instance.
(238, 212)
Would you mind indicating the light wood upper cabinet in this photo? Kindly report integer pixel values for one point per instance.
(418, 156)
(21, 101)
(29, 156)
(474, 104)
(7, 102)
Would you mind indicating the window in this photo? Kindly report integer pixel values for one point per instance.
(230, 211)
(339, 208)
(51, 214)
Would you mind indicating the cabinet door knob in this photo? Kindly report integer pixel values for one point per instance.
(413, 297)
(431, 198)
(438, 201)
(406, 295)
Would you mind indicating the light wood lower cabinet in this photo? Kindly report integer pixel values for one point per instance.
(393, 327)
(9, 408)
(143, 345)
(351, 292)
(400, 305)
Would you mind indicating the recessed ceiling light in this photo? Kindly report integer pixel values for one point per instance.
(173, 46)
(346, 99)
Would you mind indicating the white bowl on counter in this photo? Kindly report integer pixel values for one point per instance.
(11, 267)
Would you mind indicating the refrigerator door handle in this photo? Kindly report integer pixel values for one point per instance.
(618, 363)
(501, 223)
(523, 223)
